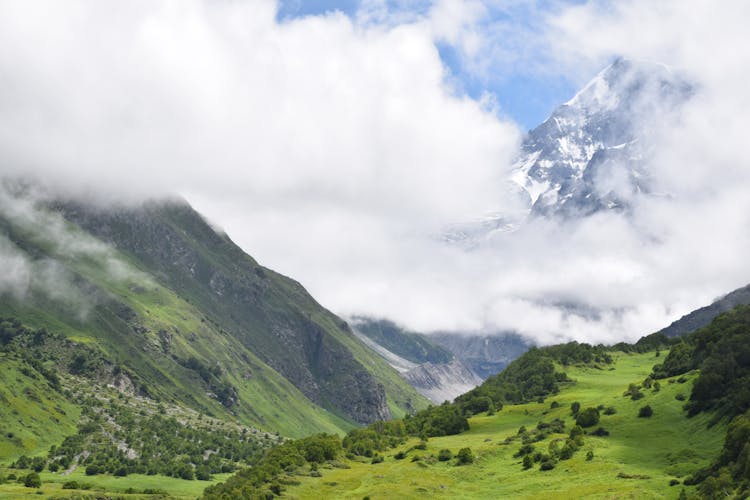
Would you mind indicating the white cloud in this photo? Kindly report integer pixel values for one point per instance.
(333, 149)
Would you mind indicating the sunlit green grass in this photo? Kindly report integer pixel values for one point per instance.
(664, 447)
(108, 485)
(32, 416)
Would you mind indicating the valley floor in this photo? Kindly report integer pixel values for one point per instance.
(637, 460)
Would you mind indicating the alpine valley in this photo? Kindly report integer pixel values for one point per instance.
(143, 354)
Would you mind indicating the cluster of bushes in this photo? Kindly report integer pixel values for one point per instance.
(262, 480)
(558, 449)
(444, 420)
(157, 445)
(378, 437)
(30, 480)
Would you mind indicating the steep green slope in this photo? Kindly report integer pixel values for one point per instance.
(186, 339)
(268, 313)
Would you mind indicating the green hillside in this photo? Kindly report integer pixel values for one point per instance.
(568, 421)
(193, 321)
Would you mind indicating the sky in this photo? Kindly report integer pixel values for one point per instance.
(334, 143)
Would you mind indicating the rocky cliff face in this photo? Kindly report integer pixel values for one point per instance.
(442, 382)
(270, 314)
(484, 355)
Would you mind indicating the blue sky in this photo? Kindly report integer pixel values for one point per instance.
(523, 95)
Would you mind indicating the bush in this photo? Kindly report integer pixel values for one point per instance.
(601, 432)
(680, 396)
(528, 462)
(634, 392)
(547, 465)
(588, 417)
(400, 455)
(465, 456)
(377, 459)
(70, 485)
(445, 455)
(645, 412)
(575, 408)
(610, 410)
(589, 456)
(674, 482)
(32, 480)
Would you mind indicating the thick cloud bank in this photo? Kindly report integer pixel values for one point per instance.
(334, 149)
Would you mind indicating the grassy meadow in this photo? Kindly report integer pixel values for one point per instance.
(637, 460)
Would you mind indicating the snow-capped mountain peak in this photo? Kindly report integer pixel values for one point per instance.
(589, 154)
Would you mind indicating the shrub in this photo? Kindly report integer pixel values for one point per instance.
(679, 396)
(610, 410)
(575, 408)
(674, 482)
(377, 459)
(601, 432)
(465, 456)
(645, 412)
(32, 480)
(400, 455)
(588, 417)
(528, 462)
(547, 465)
(589, 456)
(70, 485)
(445, 455)
(526, 449)
(634, 392)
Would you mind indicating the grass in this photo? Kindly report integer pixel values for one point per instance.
(637, 460)
(32, 416)
(109, 485)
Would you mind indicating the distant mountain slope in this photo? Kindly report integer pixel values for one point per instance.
(705, 315)
(197, 321)
(442, 382)
(409, 345)
(485, 355)
(430, 369)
